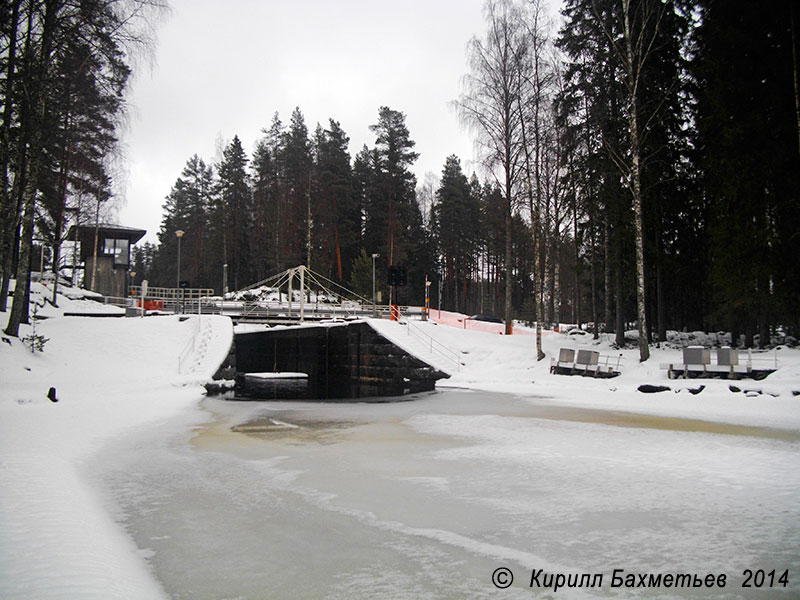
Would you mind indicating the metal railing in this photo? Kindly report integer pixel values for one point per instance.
(745, 363)
(179, 294)
(433, 344)
(605, 363)
(605, 360)
(191, 346)
(275, 309)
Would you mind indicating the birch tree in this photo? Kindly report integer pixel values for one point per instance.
(639, 26)
(490, 106)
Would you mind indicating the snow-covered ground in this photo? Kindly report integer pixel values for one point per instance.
(508, 364)
(112, 377)
(72, 472)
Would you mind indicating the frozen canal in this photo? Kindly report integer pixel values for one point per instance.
(427, 499)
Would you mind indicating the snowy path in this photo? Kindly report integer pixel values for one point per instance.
(419, 339)
(113, 377)
(207, 348)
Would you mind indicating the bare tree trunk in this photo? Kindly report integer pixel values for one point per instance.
(661, 318)
(9, 207)
(795, 73)
(19, 313)
(59, 221)
(636, 190)
(12, 235)
(763, 310)
(607, 316)
(535, 210)
(576, 302)
(34, 115)
(8, 216)
(556, 292)
(509, 256)
(749, 335)
(545, 266)
(618, 295)
(96, 238)
(593, 275)
(59, 227)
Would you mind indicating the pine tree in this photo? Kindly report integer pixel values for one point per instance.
(337, 218)
(233, 212)
(296, 193)
(265, 216)
(186, 208)
(268, 242)
(456, 229)
(393, 186)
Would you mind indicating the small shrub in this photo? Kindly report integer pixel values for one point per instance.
(35, 341)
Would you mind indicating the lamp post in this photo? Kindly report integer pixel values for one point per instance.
(374, 307)
(427, 308)
(178, 233)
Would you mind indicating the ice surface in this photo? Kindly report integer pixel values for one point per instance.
(425, 499)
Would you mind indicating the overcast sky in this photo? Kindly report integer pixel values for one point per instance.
(224, 68)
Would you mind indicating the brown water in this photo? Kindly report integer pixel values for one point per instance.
(297, 421)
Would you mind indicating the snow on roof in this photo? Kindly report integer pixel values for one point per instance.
(132, 234)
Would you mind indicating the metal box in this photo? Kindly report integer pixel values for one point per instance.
(696, 355)
(588, 357)
(566, 355)
(727, 356)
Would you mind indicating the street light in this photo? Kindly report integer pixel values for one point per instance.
(179, 233)
(427, 308)
(374, 307)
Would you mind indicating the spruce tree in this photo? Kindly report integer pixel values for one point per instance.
(296, 192)
(186, 208)
(751, 162)
(233, 213)
(337, 220)
(456, 228)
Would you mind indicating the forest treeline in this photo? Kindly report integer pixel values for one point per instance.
(638, 166)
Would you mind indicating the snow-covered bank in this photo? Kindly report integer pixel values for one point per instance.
(508, 364)
(112, 376)
(118, 380)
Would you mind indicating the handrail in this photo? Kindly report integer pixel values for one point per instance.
(115, 301)
(163, 293)
(606, 358)
(435, 345)
(443, 350)
(190, 346)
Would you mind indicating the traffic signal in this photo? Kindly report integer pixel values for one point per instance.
(397, 276)
(401, 276)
